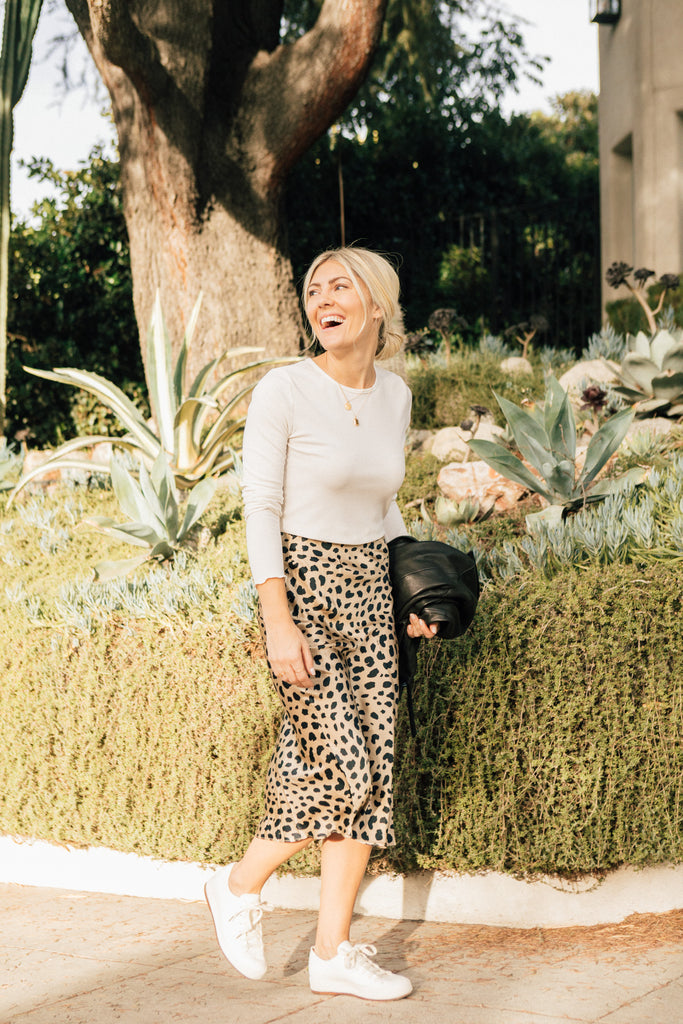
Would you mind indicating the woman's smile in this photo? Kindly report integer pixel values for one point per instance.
(338, 313)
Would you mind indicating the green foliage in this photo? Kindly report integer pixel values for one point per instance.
(419, 483)
(549, 735)
(640, 526)
(465, 281)
(606, 343)
(627, 316)
(434, 59)
(19, 26)
(153, 507)
(651, 373)
(443, 395)
(139, 715)
(197, 449)
(546, 438)
(71, 300)
(428, 170)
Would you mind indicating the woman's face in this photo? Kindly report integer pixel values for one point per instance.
(338, 317)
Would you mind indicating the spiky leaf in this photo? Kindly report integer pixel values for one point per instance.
(603, 445)
(111, 396)
(160, 376)
(508, 465)
(560, 424)
(197, 501)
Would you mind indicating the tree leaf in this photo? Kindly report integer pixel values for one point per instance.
(668, 386)
(181, 362)
(107, 570)
(121, 533)
(660, 345)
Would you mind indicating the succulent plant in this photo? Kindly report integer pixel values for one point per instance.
(545, 435)
(651, 374)
(153, 506)
(617, 275)
(194, 430)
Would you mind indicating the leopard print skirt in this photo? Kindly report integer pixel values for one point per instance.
(332, 768)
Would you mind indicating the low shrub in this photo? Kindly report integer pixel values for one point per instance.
(443, 395)
(548, 736)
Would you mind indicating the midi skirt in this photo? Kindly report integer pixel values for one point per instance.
(331, 771)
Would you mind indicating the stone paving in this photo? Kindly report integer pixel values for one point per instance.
(82, 958)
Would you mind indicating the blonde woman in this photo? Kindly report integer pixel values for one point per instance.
(323, 460)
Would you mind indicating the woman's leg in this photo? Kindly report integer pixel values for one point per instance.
(342, 868)
(334, 965)
(263, 856)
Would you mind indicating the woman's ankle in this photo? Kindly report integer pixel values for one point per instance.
(327, 949)
(237, 885)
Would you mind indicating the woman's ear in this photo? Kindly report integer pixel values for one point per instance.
(377, 313)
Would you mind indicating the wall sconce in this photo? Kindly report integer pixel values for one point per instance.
(605, 12)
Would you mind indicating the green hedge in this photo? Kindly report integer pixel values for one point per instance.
(553, 732)
(550, 736)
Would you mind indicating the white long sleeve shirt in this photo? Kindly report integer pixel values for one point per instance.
(310, 471)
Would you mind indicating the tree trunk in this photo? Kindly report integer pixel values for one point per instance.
(211, 113)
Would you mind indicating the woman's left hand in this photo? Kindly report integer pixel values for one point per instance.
(419, 628)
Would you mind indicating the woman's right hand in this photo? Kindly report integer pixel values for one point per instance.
(289, 655)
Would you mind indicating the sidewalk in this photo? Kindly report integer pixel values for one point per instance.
(82, 958)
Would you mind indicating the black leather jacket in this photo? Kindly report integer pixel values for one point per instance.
(437, 582)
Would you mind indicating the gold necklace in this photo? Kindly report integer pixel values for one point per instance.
(347, 403)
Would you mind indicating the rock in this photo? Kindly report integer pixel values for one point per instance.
(101, 453)
(450, 443)
(419, 440)
(36, 458)
(516, 365)
(476, 480)
(655, 427)
(590, 370)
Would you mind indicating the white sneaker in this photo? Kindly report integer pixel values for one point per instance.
(352, 972)
(237, 920)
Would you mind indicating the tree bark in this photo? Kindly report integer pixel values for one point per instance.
(211, 113)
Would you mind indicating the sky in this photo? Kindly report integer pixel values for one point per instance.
(65, 130)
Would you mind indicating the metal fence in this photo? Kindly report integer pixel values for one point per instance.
(539, 261)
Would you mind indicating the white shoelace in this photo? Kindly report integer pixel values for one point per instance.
(250, 920)
(359, 956)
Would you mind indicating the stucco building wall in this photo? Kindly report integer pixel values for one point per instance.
(641, 137)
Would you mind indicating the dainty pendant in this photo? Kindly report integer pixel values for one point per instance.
(347, 406)
(355, 421)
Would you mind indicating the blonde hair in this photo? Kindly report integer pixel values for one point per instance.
(381, 280)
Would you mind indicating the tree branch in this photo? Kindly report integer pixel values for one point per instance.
(110, 25)
(294, 94)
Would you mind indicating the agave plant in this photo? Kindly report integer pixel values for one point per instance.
(195, 432)
(546, 437)
(651, 373)
(153, 506)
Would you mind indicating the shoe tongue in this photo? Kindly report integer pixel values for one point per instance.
(251, 899)
(344, 947)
